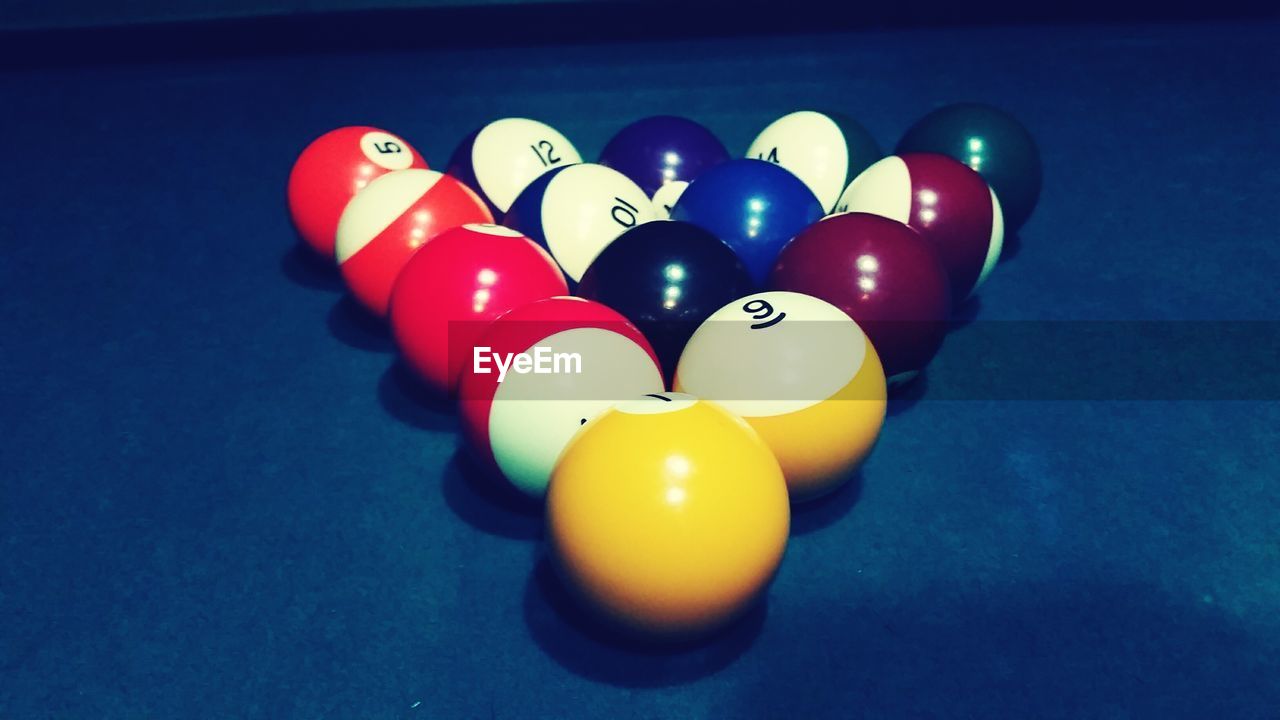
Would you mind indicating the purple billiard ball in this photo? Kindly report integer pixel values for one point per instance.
(663, 154)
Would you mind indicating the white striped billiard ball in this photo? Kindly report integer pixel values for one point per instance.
(949, 204)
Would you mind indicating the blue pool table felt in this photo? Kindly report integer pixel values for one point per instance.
(219, 497)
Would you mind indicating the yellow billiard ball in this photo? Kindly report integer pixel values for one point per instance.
(667, 515)
(802, 373)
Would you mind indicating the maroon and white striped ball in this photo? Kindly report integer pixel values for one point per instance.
(949, 204)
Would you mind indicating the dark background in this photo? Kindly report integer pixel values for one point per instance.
(36, 32)
(34, 14)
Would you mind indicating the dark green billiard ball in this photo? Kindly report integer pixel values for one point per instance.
(991, 142)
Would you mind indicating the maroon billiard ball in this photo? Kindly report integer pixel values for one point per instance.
(884, 275)
(945, 201)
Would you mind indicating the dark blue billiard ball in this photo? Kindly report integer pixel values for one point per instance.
(754, 206)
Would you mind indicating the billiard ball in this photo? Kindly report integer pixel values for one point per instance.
(502, 158)
(667, 516)
(454, 286)
(950, 205)
(825, 150)
(332, 169)
(752, 205)
(667, 277)
(666, 198)
(802, 373)
(577, 210)
(388, 220)
(989, 141)
(584, 358)
(386, 223)
(663, 153)
(882, 274)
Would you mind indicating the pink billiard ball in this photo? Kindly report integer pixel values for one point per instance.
(332, 169)
(457, 284)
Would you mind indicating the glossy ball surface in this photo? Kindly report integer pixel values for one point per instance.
(753, 206)
(518, 425)
(332, 169)
(991, 142)
(666, 277)
(455, 286)
(503, 157)
(950, 205)
(882, 274)
(825, 150)
(802, 373)
(661, 150)
(668, 516)
(386, 223)
(576, 211)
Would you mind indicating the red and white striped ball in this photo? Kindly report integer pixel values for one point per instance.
(518, 426)
(949, 204)
(332, 169)
(390, 219)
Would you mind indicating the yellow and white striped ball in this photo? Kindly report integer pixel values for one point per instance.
(802, 373)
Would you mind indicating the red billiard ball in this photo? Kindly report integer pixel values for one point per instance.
(388, 221)
(452, 288)
(518, 422)
(332, 169)
(949, 204)
(884, 275)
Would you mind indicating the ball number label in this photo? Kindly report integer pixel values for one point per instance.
(760, 309)
(583, 207)
(386, 151)
(493, 229)
(668, 402)
(805, 356)
(665, 197)
(624, 213)
(771, 157)
(546, 153)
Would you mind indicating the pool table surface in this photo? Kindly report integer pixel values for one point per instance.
(221, 496)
